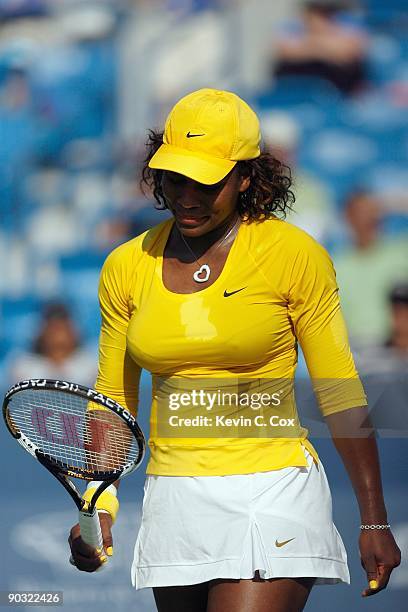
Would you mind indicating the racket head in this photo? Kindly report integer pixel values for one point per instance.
(74, 430)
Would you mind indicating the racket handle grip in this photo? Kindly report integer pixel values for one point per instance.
(90, 532)
(91, 529)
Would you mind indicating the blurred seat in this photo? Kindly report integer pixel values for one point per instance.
(375, 113)
(19, 320)
(54, 230)
(380, 14)
(81, 260)
(173, 76)
(312, 102)
(88, 154)
(339, 157)
(390, 182)
(293, 90)
(79, 279)
(73, 89)
(385, 57)
(389, 178)
(10, 9)
(147, 217)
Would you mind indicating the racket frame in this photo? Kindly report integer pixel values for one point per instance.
(58, 469)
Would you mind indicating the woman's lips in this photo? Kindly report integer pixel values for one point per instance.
(189, 220)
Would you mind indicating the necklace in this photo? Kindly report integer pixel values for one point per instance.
(204, 272)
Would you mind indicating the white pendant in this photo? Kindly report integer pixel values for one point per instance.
(203, 274)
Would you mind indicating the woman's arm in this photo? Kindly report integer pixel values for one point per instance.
(354, 439)
(118, 378)
(314, 308)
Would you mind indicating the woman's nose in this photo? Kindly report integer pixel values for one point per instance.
(188, 195)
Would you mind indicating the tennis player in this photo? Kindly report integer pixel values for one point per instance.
(222, 293)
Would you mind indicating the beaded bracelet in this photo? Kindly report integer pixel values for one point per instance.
(375, 526)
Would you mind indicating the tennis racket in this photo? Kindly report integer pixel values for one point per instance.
(75, 432)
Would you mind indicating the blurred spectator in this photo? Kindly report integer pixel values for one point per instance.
(314, 208)
(392, 356)
(398, 339)
(12, 9)
(368, 269)
(56, 352)
(325, 42)
(15, 93)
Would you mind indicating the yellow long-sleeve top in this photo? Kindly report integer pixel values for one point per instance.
(277, 288)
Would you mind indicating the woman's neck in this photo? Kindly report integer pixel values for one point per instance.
(202, 244)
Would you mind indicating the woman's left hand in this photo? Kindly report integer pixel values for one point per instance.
(379, 556)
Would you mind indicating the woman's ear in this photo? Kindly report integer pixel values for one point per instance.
(245, 183)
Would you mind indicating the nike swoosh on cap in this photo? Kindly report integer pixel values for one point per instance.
(279, 544)
(190, 135)
(228, 293)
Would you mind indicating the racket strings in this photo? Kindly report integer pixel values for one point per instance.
(74, 431)
(51, 430)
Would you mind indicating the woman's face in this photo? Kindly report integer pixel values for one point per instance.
(198, 208)
(59, 340)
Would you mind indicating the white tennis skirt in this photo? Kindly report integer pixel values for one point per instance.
(199, 528)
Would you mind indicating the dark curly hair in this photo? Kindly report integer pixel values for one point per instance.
(269, 194)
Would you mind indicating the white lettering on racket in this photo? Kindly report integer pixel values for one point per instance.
(107, 401)
(25, 384)
(64, 385)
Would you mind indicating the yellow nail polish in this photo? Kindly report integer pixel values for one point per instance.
(109, 551)
(103, 558)
(373, 584)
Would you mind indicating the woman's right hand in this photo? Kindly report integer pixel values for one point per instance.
(85, 557)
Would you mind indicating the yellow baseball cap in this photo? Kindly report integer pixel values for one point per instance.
(206, 133)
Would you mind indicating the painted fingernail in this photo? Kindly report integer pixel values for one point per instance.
(373, 584)
(109, 551)
(103, 558)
